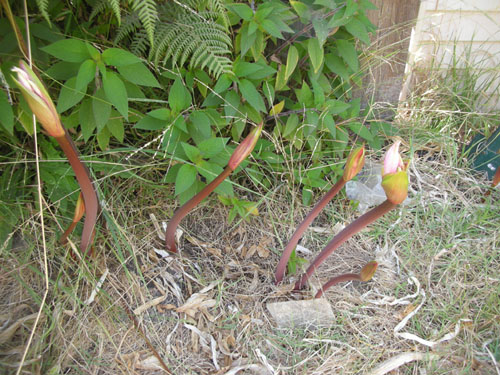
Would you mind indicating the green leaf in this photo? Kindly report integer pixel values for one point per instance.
(192, 152)
(210, 171)
(150, 123)
(291, 124)
(103, 138)
(348, 53)
(271, 28)
(63, 70)
(139, 74)
(337, 66)
(71, 50)
(242, 10)
(357, 29)
(86, 74)
(316, 53)
(116, 92)
(321, 29)
(160, 114)
(335, 107)
(231, 103)
(179, 97)
(244, 69)
(101, 109)
(115, 127)
(87, 120)
(199, 128)
(119, 57)
(301, 9)
(6, 113)
(329, 123)
(69, 96)
(361, 130)
(291, 61)
(247, 39)
(186, 176)
(212, 146)
(249, 92)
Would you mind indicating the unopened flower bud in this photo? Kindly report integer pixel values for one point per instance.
(245, 148)
(368, 271)
(394, 176)
(354, 164)
(38, 100)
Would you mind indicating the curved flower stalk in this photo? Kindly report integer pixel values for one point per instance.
(395, 185)
(365, 274)
(240, 153)
(353, 166)
(42, 106)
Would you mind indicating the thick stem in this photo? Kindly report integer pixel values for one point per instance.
(188, 206)
(88, 192)
(338, 279)
(299, 232)
(343, 236)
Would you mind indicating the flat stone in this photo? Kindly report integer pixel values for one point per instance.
(313, 313)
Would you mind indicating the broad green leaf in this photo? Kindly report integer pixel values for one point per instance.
(71, 50)
(150, 123)
(247, 39)
(357, 29)
(63, 70)
(316, 53)
(242, 10)
(264, 71)
(301, 9)
(335, 107)
(291, 61)
(280, 79)
(103, 138)
(86, 74)
(347, 51)
(101, 109)
(199, 127)
(115, 126)
(6, 113)
(321, 29)
(361, 130)
(180, 124)
(139, 74)
(192, 152)
(244, 69)
(210, 171)
(337, 66)
(186, 176)
(172, 173)
(69, 96)
(160, 114)
(212, 146)
(179, 97)
(87, 120)
(271, 28)
(277, 108)
(119, 57)
(250, 94)
(190, 192)
(231, 104)
(304, 95)
(291, 124)
(329, 123)
(116, 93)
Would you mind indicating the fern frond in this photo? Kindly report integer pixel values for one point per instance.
(140, 43)
(147, 12)
(99, 6)
(115, 6)
(43, 6)
(130, 24)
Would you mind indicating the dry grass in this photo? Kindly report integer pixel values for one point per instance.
(445, 239)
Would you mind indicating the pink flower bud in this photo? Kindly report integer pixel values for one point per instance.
(245, 148)
(394, 176)
(38, 100)
(354, 164)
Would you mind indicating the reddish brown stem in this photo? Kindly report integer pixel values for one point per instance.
(88, 192)
(64, 238)
(338, 279)
(343, 236)
(299, 232)
(188, 206)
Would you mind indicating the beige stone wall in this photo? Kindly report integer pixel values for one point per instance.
(452, 31)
